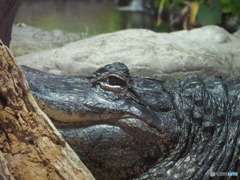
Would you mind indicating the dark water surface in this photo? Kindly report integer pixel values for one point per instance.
(86, 17)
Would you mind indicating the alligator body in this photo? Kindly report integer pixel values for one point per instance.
(124, 127)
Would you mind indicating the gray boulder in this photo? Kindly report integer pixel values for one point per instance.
(205, 51)
(27, 39)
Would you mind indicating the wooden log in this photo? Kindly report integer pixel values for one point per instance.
(30, 145)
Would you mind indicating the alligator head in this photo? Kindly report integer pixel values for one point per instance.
(122, 125)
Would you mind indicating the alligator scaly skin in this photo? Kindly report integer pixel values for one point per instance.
(209, 113)
(177, 129)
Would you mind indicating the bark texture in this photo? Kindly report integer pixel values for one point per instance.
(30, 146)
(8, 10)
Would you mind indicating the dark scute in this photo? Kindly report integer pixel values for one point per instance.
(199, 103)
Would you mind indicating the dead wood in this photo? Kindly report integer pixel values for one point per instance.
(30, 145)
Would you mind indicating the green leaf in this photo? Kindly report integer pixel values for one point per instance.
(210, 14)
(235, 7)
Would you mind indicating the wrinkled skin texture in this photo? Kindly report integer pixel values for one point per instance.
(126, 127)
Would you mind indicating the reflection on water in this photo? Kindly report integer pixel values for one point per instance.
(86, 17)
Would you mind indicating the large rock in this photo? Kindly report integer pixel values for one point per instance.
(205, 51)
(27, 39)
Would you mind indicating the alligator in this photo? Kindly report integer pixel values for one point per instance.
(132, 127)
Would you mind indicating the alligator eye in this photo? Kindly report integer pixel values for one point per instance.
(115, 81)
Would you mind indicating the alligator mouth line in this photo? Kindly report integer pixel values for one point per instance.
(62, 119)
(132, 125)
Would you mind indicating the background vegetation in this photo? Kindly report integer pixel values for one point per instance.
(200, 12)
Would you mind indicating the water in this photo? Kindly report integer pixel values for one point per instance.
(86, 17)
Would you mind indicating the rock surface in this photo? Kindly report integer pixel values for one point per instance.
(205, 51)
(27, 39)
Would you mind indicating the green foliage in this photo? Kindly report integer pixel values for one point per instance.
(210, 14)
(231, 6)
